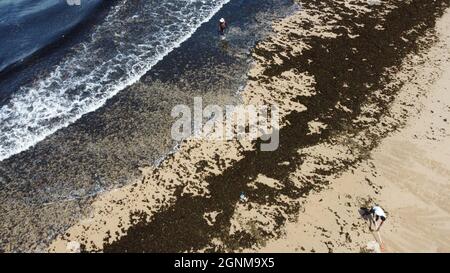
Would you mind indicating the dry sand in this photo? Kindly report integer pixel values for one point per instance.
(356, 85)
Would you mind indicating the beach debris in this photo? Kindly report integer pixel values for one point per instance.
(73, 247)
(243, 198)
(372, 247)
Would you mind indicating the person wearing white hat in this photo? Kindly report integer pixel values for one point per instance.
(222, 26)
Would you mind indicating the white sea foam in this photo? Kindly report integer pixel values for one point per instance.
(132, 39)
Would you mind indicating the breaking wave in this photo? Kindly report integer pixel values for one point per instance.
(134, 36)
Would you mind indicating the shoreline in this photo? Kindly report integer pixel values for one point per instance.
(190, 202)
(49, 187)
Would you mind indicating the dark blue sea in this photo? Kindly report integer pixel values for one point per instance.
(26, 26)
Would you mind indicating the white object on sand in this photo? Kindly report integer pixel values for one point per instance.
(243, 198)
(73, 247)
(373, 247)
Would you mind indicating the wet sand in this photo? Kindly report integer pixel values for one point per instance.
(342, 73)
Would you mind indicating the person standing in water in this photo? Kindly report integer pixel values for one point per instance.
(222, 26)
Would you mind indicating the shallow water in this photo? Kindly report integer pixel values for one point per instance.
(132, 38)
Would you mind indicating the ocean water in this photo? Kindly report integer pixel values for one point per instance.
(26, 26)
(133, 37)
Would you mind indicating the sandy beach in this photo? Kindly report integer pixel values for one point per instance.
(362, 89)
(408, 172)
(362, 93)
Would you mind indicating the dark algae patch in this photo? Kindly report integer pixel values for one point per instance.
(347, 69)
